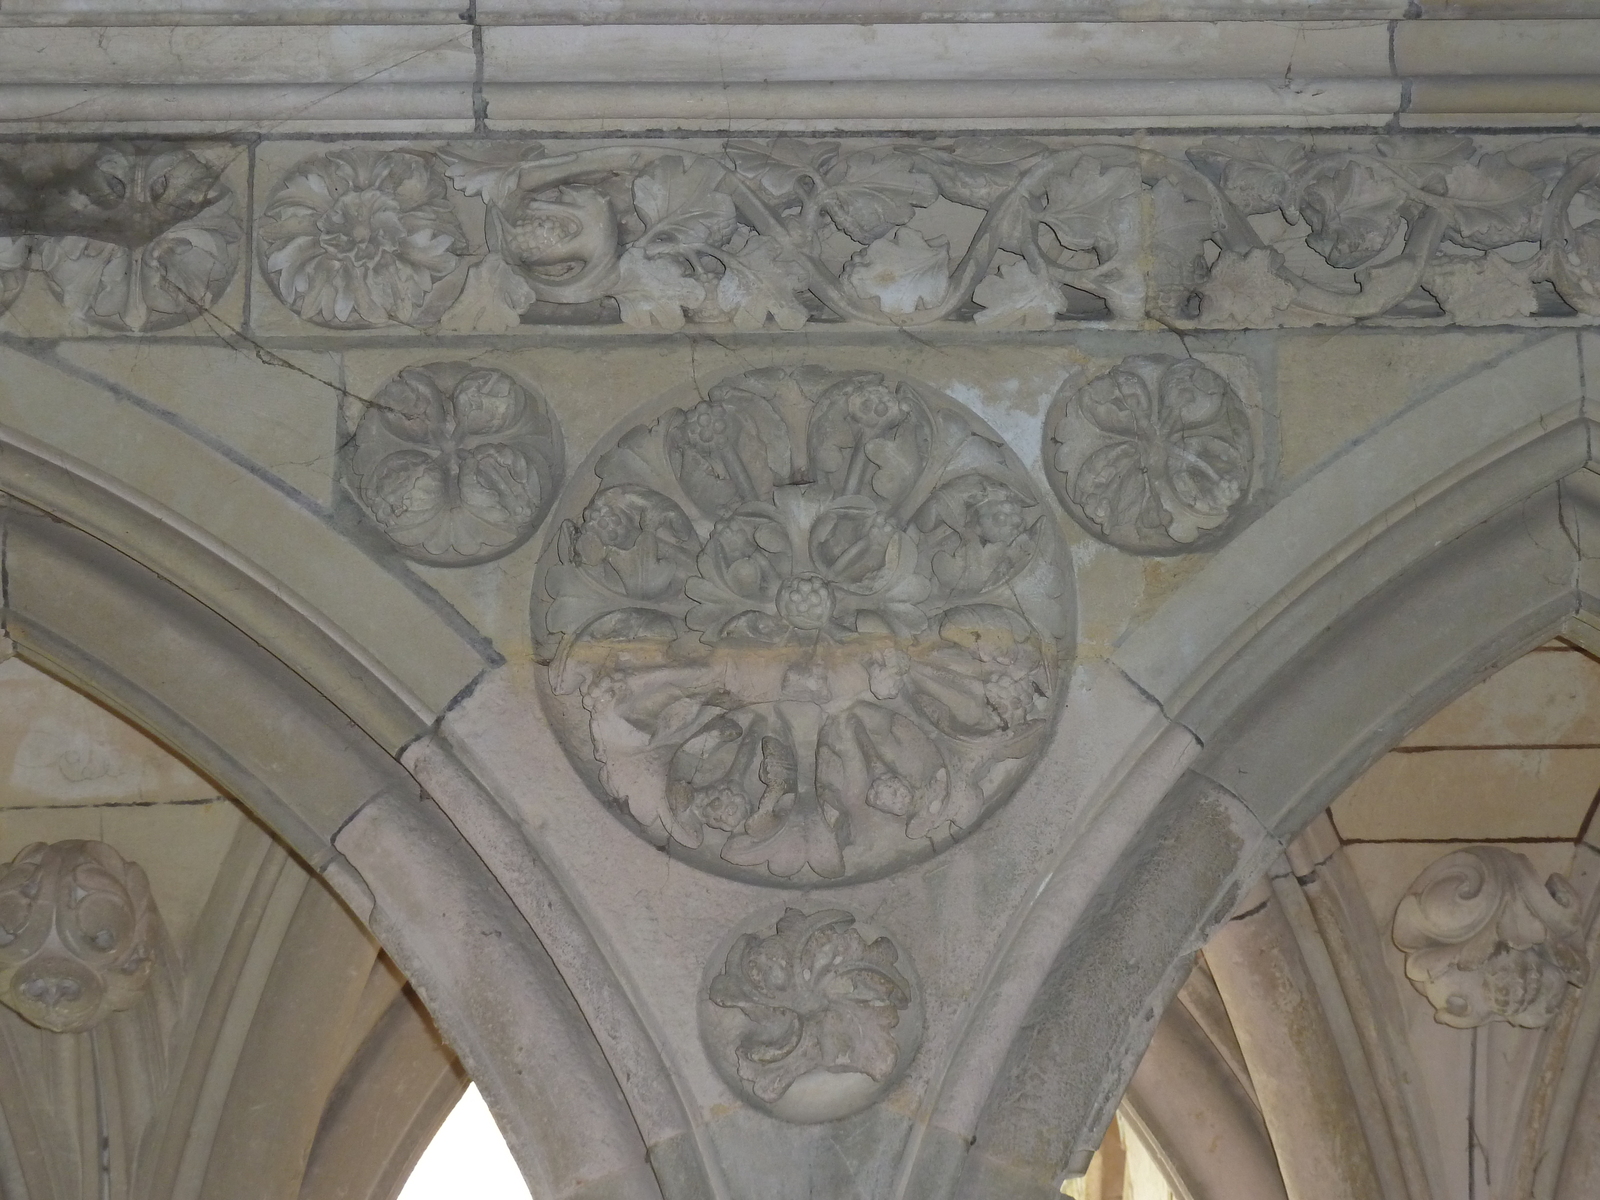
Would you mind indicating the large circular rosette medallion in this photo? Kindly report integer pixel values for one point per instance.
(813, 627)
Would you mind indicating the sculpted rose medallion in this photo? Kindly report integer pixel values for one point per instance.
(812, 627)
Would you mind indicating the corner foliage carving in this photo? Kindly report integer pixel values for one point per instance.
(78, 934)
(812, 627)
(1486, 940)
(455, 464)
(813, 1021)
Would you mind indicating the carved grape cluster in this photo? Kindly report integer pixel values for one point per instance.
(810, 627)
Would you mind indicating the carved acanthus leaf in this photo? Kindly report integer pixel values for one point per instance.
(1487, 940)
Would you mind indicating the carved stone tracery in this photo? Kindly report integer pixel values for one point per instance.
(812, 627)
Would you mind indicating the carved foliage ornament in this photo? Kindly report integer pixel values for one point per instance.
(455, 464)
(360, 238)
(78, 934)
(811, 627)
(813, 1021)
(1233, 232)
(129, 238)
(1486, 940)
(1153, 456)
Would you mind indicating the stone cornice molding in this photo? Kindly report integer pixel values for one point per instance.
(574, 67)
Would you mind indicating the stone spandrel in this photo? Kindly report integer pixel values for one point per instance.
(811, 628)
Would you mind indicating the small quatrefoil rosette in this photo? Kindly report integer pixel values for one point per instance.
(812, 1019)
(455, 464)
(1154, 456)
(811, 627)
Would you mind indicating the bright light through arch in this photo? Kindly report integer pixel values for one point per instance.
(467, 1157)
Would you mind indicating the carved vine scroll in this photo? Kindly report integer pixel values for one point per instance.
(810, 628)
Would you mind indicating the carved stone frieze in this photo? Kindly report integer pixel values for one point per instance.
(812, 1021)
(1486, 940)
(455, 464)
(78, 934)
(812, 627)
(130, 238)
(1154, 456)
(1249, 232)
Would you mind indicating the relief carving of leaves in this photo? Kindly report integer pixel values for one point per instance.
(492, 170)
(1246, 291)
(978, 171)
(760, 280)
(1482, 290)
(653, 292)
(871, 192)
(778, 166)
(1258, 174)
(1425, 160)
(818, 996)
(1092, 206)
(869, 751)
(1494, 203)
(903, 272)
(1354, 212)
(979, 533)
(1016, 297)
(681, 206)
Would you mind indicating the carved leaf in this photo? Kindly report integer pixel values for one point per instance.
(681, 206)
(492, 170)
(1482, 290)
(759, 281)
(871, 192)
(1246, 291)
(1258, 174)
(902, 272)
(1354, 212)
(1016, 297)
(1493, 202)
(653, 292)
(781, 166)
(1088, 208)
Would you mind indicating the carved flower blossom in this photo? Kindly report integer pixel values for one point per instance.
(813, 586)
(456, 464)
(362, 238)
(1153, 454)
(818, 997)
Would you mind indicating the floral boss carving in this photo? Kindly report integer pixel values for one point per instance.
(78, 934)
(1486, 940)
(1154, 456)
(809, 628)
(361, 238)
(455, 464)
(813, 1021)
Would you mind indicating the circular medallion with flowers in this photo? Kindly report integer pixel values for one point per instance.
(361, 237)
(811, 628)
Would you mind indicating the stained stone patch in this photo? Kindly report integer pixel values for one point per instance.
(813, 627)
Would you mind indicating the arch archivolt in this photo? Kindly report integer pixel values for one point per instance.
(1000, 749)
